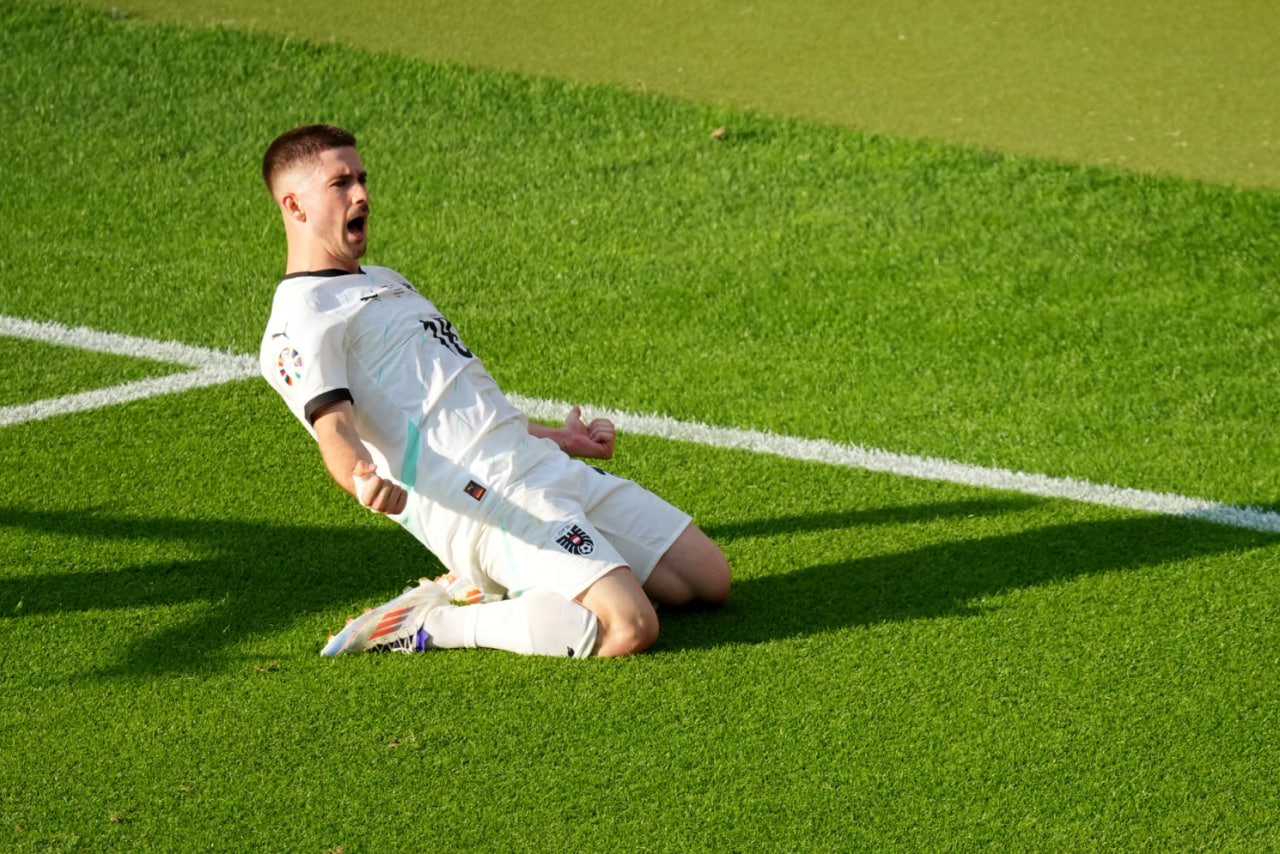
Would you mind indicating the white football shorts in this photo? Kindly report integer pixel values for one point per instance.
(562, 527)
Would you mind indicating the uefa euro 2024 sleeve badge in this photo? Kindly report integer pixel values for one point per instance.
(290, 365)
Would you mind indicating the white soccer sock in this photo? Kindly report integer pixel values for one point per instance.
(537, 623)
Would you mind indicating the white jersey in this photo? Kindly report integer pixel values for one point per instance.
(493, 503)
(430, 414)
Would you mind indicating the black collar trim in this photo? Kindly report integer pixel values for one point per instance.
(325, 274)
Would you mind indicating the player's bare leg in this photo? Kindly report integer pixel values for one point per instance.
(627, 621)
(693, 571)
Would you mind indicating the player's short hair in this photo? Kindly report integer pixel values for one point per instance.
(301, 145)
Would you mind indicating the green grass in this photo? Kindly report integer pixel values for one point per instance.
(930, 299)
(904, 665)
(1185, 89)
(29, 370)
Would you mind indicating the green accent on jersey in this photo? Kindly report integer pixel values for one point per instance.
(409, 466)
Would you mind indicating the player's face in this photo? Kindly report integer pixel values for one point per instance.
(336, 201)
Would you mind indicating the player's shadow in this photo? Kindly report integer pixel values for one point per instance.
(242, 580)
(937, 580)
(844, 520)
(246, 580)
(251, 579)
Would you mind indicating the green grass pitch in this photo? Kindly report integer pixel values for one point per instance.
(905, 665)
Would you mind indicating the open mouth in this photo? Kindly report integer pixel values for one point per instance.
(356, 227)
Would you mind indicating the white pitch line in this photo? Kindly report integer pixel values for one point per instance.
(213, 367)
(98, 398)
(83, 338)
(923, 468)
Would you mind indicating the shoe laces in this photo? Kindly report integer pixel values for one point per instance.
(416, 642)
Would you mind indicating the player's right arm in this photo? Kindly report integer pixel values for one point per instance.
(349, 462)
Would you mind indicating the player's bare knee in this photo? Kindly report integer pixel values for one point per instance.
(640, 632)
(717, 581)
(707, 568)
(628, 635)
(710, 579)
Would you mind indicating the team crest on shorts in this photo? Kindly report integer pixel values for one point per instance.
(290, 364)
(574, 540)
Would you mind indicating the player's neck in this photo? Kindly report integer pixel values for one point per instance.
(301, 261)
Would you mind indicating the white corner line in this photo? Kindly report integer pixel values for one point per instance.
(83, 338)
(98, 398)
(212, 368)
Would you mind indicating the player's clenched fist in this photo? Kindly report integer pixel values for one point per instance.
(593, 440)
(378, 493)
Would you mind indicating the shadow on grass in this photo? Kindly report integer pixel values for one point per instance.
(259, 579)
(840, 520)
(250, 579)
(943, 579)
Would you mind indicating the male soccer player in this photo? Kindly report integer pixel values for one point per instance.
(409, 422)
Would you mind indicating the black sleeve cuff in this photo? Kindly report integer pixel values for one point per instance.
(320, 401)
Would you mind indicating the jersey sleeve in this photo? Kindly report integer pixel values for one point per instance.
(303, 358)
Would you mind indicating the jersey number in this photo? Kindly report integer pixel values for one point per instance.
(442, 331)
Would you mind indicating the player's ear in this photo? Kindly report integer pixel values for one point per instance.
(292, 207)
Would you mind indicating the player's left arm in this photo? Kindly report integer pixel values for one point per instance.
(577, 438)
(349, 462)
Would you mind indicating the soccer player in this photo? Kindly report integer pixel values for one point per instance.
(570, 559)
